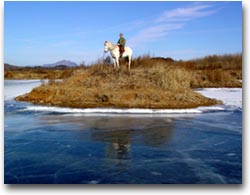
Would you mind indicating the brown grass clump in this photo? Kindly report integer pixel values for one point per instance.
(171, 78)
(158, 86)
(39, 73)
(217, 75)
(225, 62)
(149, 62)
(151, 83)
(215, 78)
(8, 74)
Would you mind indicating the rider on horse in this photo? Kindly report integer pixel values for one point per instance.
(121, 44)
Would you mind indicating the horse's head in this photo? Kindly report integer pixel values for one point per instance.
(106, 46)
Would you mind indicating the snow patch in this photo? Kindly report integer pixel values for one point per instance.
(123, 111)
(231, 97)
(14, 88)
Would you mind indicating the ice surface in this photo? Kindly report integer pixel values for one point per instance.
(14, 88)
(46, 145)
(230, 96)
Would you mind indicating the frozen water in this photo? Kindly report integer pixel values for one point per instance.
(62, 145)
(14, 88)
(230, 96)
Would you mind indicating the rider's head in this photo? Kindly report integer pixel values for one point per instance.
(121, 35)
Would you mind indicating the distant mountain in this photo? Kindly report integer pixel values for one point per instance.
(61, 63)
(11, 67)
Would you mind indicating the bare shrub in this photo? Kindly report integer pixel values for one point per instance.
(66, 73)
(218, 76)
(142, 61)
(171, 78)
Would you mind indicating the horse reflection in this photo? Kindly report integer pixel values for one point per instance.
(118, 143)
(119, 132)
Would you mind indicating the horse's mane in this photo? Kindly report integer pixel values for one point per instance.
(112, 44)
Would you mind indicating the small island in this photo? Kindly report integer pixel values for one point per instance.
(152, 82)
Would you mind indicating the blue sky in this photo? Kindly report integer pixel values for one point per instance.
(37, 33)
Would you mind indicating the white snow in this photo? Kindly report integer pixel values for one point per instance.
(230, 96)
(14, 88)
(113, 110)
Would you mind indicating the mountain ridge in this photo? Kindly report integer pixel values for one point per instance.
(67, 63)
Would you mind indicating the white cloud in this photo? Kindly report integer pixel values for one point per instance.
(152, 33)
(168, 21)
(186, 14)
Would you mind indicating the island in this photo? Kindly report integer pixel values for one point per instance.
(152, 82)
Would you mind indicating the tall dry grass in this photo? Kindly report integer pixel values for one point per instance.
(214, 78)
(217, 75)
(165, 73)
(210, 71)
(226, 62)
(151, 83)
(146, 61)
(170, 77)
(146, 72)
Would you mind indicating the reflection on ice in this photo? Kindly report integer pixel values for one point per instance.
(63, 145)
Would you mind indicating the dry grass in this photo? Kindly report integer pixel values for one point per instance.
(156, 83)
(215, 78)
(209, 71)
(148, 62)
(163, 73)
(39, 73)
(156, 73)
(170, 77)
(225, 62)
(217, 75)
(151, 83)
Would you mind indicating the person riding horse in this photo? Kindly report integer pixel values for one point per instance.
(115, 53)
(121, 44)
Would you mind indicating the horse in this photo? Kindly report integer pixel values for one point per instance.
(115, 53)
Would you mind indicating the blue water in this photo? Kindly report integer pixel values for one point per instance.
(53, 147)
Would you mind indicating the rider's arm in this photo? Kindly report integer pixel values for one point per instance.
(122, 41)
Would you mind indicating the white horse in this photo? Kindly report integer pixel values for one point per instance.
(115, 53)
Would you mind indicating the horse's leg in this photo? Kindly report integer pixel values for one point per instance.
(114, 60)
(117, 63)
(129, 62)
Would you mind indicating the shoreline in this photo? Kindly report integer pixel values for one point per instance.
(229, 96)
(185, 99)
